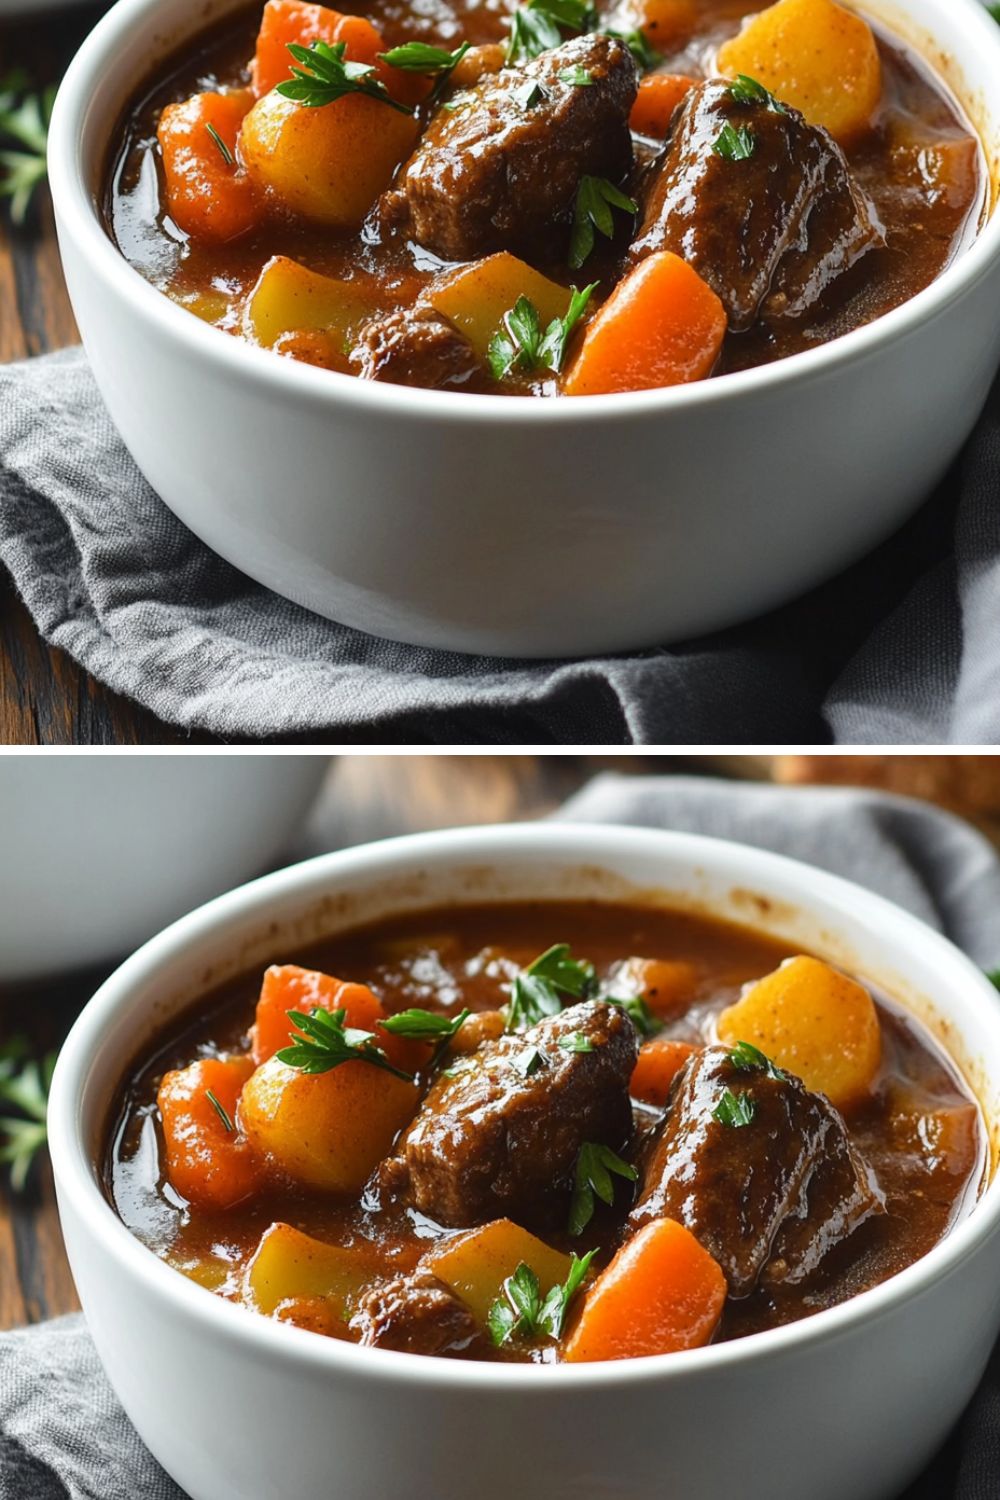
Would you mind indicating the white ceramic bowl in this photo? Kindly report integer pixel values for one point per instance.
(850, 1402)
(520, 526)
(99, 852)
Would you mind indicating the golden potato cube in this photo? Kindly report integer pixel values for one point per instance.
(815, 55)
(288, 1263)
(476, 297)
(289, 298)
(475, 1265)
(812, 1021)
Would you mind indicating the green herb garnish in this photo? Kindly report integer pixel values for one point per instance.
(994, 975)
(528, 94)
(24, 121)
(325, 75)
(529, 1061)
(224, 151)
(424, 1025)
(645, 55)
(750, 1059)
(596, 197)
(324, 1042)
(746, 90)
(538, 990)
(735, 143)
(734, 1109)
(576, 1042)
(639, 1014)
(592, 1177)
(541, 24)
(581, 78)
(220, 1110)
(421, 57)
(522, 1311)
(24, 1084)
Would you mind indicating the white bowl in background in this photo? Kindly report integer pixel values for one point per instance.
(516, 525)
(849, 1402)
(100, 851)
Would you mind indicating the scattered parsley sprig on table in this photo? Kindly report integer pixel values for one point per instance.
(24, 1085)
(24, 129)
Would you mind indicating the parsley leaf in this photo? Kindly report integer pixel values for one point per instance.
(521, 1311)
(24, 1084)
(421, 57)
(735, 143)
(994, 976)
(528, 94)
(24, 120)
(582, 78)
(594, 1167)
(734, 1109)
(637, 43)
(539, 26)
(324, 1042)
(224, 151)
(595, 199)
(538, 990)
(994, 11)
(750, 1059)
(746, 90)
(575, 1042)
(220, 1110)
(552, 350)
(325, 75)
(424, 1025)
(639, 1014)
(529, 1061)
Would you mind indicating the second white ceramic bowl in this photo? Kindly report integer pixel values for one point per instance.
(849, 1402)
(519, 526)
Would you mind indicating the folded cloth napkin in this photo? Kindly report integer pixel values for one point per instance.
(902, 648)
(63, 1435)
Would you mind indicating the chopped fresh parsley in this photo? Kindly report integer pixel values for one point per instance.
(220, 1110)
(224, 151)
(734, 1109)
(596, 197)
(639, 1014)
(994, 976)
(595, 1165)
(24, 124)
(746, 90)
(324, 1042)
(750, 1059)
(636, 42)
(576, 1042)
(528, 94)
(735, 143)
(540, 25)
(994, 11)
(538, 990)
(424, 1025)
(581, 78)
(529, 1061)
(24, 1084)
(326, 75)
(421, 57)
(520, 1311)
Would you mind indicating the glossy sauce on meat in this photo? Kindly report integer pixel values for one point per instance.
(911, 1162)
(921, 168)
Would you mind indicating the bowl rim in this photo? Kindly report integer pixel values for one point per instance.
(78, 217)
(564, 842)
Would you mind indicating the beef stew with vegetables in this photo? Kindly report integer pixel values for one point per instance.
(556, 1132)
(556, 198)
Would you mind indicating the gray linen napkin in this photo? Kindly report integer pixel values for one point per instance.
(903, 648)
(63, 1435)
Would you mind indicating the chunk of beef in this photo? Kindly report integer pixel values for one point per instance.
(503, 1132)
(500, 170)
(769, 1198)
(413, 346)
(415, 1314)
(769, 233)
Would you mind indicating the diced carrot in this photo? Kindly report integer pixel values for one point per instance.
(659, 95)
(288, 987)
(208, 1163)
(658, 1064)
(662, 325)
(661, 1293)
(285, 21)
(666, 984)
(207, 196)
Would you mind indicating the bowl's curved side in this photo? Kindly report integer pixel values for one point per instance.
(195, 1373)
(409, 513)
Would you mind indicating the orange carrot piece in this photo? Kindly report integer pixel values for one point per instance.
(285, 21)
(662, 325)
(666, 984)
(659, 95)
(658, 1064)
(209, 197)
(661, 1293)
(209, 1164)
(288, 987)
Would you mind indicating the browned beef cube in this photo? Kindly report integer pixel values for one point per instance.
(413, 346)
(501, 169)
(770, 232)
(502, 1134)
(415, 1314)
(767, 1198)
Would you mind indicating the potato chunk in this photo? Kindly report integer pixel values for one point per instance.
(289, 298)
(327, 163)
(816, 56)
(476, 297)
(812, 1021)
(475, 1265)
(289, 1264)
(328, 1130)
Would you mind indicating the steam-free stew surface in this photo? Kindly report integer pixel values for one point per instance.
(916, 169)
(913, 1125)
